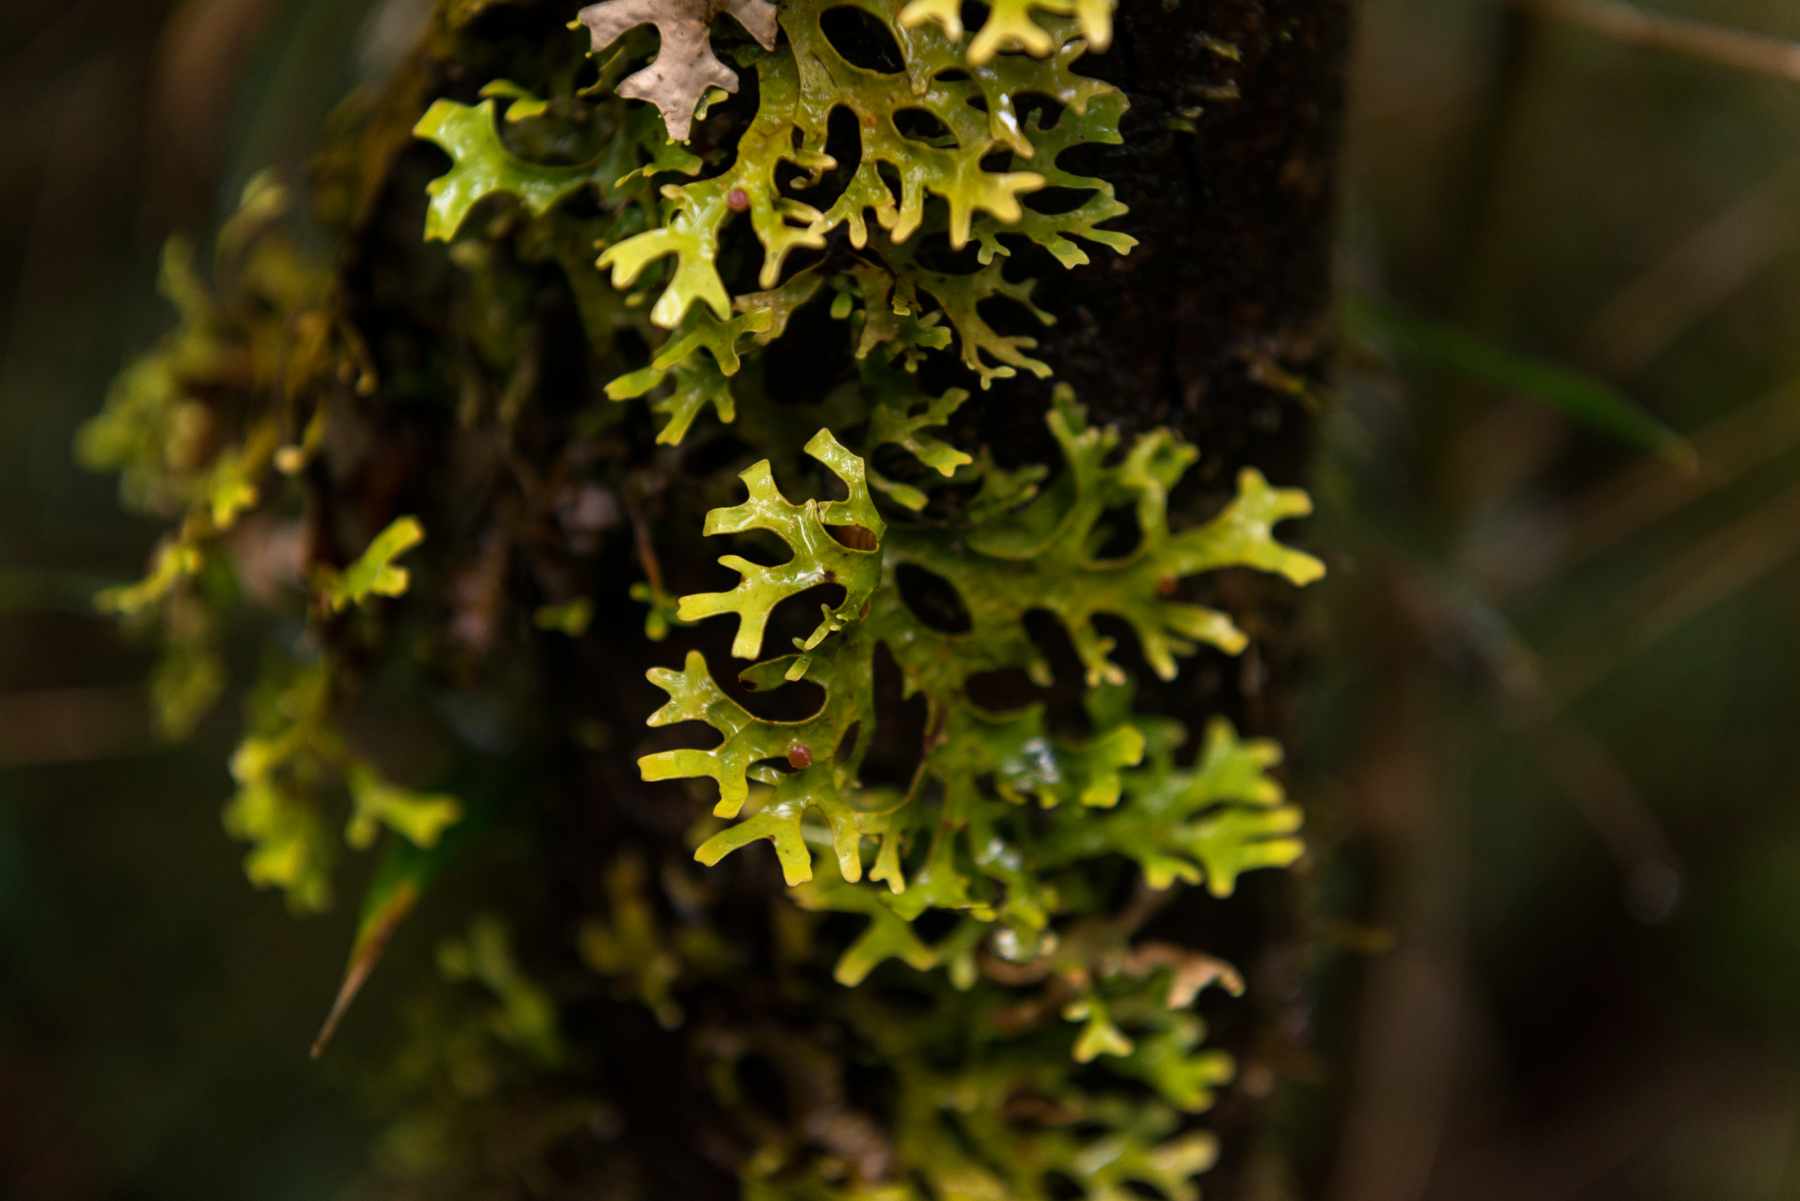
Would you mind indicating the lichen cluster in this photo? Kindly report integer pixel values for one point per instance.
(761, 286)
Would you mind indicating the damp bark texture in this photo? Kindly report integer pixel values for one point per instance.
(1219, 326)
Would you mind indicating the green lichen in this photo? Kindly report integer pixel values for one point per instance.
(986, 1109)
(588, 378)
(973, 103)
(963, 837)
(279, 770)
(523, 1013)
(289, 773)
(1010, 26)
(484, 167)
(818, 556)
(374, 573)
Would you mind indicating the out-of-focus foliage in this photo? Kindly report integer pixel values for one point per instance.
(1563, 665)
(212, 428)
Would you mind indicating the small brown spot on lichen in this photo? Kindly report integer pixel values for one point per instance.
(799, 756)
(738, 199)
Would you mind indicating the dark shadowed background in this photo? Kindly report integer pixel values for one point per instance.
(1552, 745)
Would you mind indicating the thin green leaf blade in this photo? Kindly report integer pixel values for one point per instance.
(1583, 398)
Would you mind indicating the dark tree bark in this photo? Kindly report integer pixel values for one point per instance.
(1219, 326)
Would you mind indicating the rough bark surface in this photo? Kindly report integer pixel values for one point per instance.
(1229, 166)
(1219, 326)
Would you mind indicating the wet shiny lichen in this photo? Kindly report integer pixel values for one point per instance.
(462, 481)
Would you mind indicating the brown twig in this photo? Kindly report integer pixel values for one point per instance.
(1696, 277)
(1710, 572)
(1734, 48)
(1745, 440)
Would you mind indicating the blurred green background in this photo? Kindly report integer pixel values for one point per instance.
(154, 1011)
(1551, 735)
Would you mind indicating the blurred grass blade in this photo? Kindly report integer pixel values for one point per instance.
(401, 879)
(1583, 398)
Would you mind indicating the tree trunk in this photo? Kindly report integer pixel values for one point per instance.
(1217, 327)
(1220, 326)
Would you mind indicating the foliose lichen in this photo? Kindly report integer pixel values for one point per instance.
(411, 474)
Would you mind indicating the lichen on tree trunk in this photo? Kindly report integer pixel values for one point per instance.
(1000, 776)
